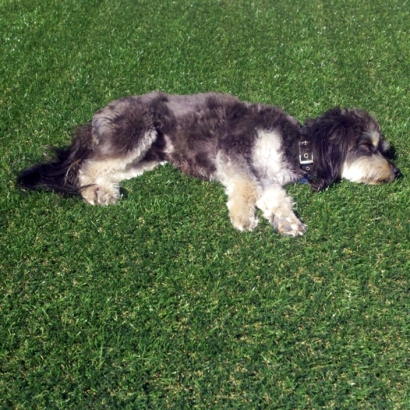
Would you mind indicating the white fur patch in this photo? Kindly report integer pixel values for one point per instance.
(268, 158)
(169, 147)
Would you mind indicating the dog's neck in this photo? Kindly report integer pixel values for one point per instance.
(306, 156)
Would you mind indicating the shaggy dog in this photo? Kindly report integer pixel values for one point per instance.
(252, 149)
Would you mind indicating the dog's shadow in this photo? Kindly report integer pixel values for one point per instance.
(123, 193)
(391, 153)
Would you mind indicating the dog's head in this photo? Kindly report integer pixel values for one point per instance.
(348, 144)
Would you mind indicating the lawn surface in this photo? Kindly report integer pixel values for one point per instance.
(158, 302)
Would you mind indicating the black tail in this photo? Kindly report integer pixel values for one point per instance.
(61, 173)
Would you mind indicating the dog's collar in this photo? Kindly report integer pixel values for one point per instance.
(306, 158)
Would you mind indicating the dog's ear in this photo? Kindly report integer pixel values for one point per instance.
(329, 135)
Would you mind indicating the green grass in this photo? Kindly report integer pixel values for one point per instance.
(158, 302)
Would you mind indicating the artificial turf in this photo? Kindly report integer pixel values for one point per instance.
(158, 302)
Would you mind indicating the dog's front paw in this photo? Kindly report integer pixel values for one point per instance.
(242, 215)
(288, 226)
(245, 223)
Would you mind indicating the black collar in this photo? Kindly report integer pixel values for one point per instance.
(305, 156)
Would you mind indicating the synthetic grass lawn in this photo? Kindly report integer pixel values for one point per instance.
(158, 302)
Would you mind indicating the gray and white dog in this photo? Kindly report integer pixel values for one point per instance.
(253, 150)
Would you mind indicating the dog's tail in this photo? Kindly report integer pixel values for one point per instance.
(61, 173)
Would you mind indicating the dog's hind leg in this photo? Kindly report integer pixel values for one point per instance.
(100, 177)
(122, 133)
(242, 189)
(277, 208)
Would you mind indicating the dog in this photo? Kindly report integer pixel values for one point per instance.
(252, 149)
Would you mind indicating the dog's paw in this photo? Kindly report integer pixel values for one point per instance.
(97, 195)
(245, 223)
(289, 226)
(242, 216)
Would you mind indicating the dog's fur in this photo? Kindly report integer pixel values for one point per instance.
(252, 149)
